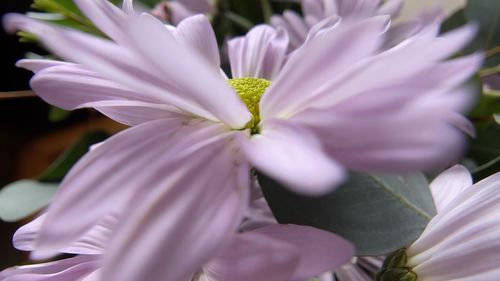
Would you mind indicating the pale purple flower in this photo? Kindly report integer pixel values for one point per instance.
(461, 241)
(176, 10)
(182, 172)
(271, 253)
(315, 11)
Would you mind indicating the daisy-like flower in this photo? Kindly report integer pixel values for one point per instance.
(461, 241)
(315, 11)
(271, 253)
(182, 171)
(177, 10)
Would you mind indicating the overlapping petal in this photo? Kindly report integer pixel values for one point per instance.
(260, 54)
(182, 222)
(165, 76)
(461, 243)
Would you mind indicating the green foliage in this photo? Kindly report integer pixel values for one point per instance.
(485, 150)
(57, 115)
(378, 213)
(65, 161)
(23, 198)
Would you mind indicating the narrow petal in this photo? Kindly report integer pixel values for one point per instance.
(196, 32)
(70, 86)
(461, 242)
(449, 184)
(254, 256)
(92, 242)
(169, 232)
(68, 269)
(307, 71)
(166, 75)
(111, 172)
(179, 65)
(260, 53)
(320, 251)
(291, 155)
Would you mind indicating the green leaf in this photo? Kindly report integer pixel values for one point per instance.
(65, 161)
(57, 115)
(23, 198)
(378, 213)
(486, 13)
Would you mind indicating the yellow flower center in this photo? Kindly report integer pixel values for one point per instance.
(251, 91)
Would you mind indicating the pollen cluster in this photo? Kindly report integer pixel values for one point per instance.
(251, 91)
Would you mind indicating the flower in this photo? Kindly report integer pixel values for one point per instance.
(181, 173)
(461, 241)
(271, 253)
(315, 11)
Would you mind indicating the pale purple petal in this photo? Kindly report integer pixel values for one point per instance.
(294, 157)
(261, 53)
(312, 8)
(128, 7)
(106, 17)
(196, 32)
(319, 250)
(208, 89)
(357, 8)
(461, 242)
(254, 256)
(63, 270)
(92, 242)
(103, 180)
(449, 184)
(166, 75)
(36, 65)
(307, 71)
(175, 227)
(179, 11)
(70, 86)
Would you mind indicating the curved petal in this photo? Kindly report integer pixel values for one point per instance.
(91, 243)
(449, 184)
(144, 66)
(103, 180)
(180, 224)
(461, 242)
(253, 256)
(320, 251)
(306, 71)
(67, 269)
(291, 155)
(261, 53)
(196, 32)
(71, 86)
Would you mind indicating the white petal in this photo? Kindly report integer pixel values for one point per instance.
(449, 185)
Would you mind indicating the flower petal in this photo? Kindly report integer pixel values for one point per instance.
(307, 71)
(253, 256)
(461, 242)
(291, 155)
(449, 184)
(67, 269)
(103, 180)
(165, 75)
(91, 243)
(260, 53)
(169, 232)
(70, 86)
(320, 251)
(196, 32)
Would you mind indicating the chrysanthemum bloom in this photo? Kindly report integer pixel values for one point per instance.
(315, 11)
(177, 10)
(272, 253)
(461, 241)
(182, 172)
